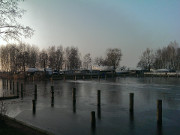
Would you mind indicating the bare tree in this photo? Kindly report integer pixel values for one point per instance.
(33, 56)
(43, 59)
(56, 57)
(66, 58)
(10, 28)
(113, 57)
(167, 57)
(158, 62)
(23, 57)
(99, 61)
(52, 57)
(59, 57)
(8, 57)
(87, 60)
(72, 58)
(4, 53)
(13, 52)
(147, 59)
(178, 59)
(172, 50)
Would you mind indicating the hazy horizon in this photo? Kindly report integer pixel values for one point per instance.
(93, 26)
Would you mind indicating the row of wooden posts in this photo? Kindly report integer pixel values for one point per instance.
(93, 118)
(11, 85)
(8, 84)
(131, 108)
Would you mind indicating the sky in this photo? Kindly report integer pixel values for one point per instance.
(95, 25)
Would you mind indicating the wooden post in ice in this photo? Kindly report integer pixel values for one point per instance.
(52, 101)
(7, 84)
(13, 87)
(34, 106)
(21, 90)
(131, 102)
(93, 119)
(74, 95)
(35, 92)
(10, 85)
(52, 91)
(159, 112)
(52, 96)
(99, 97)
(17, 89)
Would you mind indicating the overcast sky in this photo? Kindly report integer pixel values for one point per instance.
(95, 25)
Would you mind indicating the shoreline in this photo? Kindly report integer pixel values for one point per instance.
(23, 127)
(85, 76)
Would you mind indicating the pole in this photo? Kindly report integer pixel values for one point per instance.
(131, 102)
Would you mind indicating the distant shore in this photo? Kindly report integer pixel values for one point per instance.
(84, 76)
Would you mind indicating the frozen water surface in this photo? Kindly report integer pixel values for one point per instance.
(112, 118)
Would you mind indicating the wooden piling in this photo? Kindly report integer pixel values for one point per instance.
(74, 107)
(99, 112)
(93, 119)
(35, 92)
(21, 90)
(74, 99)
(159, 112)
(74, 95)
(13, 87)
(99, 97)
(52, 101)
(7, 85)
(3, 84)
(17, 89)
(131, 102)
(34, 106)
(10, 85)
(131, 116)
(52, 91)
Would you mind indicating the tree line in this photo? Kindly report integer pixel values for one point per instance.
(14, 58)
(18, 57)
(162, 58)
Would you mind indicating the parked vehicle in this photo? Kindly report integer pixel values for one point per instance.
(32, 71)
(55, 72)
(48, 71)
